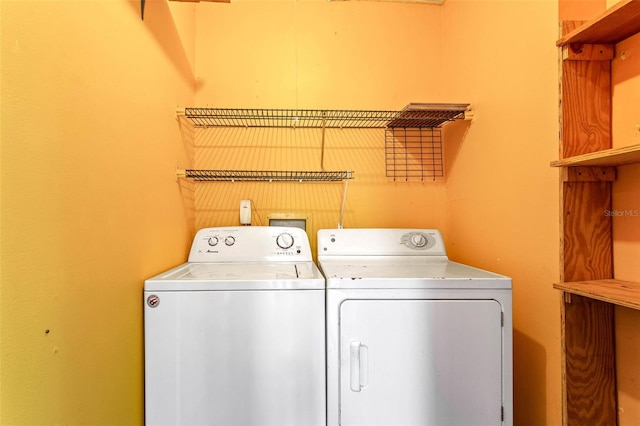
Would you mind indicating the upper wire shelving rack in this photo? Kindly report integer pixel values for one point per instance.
(413, 116)
(416, 115)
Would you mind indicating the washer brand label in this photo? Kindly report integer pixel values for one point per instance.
(153, 301)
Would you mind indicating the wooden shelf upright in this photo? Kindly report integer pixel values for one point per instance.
(588, 164)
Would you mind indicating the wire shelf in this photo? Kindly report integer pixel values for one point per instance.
(264, 175)
(418, 115)
(413, 140)
(414, 115)
(413, 154)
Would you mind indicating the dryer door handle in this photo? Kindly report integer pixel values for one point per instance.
(358, 366)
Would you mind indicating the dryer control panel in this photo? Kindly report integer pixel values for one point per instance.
(250, 244)
(380, 242)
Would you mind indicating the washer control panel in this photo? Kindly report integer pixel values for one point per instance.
(250, 244)
(285, 240)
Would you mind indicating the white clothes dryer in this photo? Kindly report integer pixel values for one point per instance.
(235, 336)
(412, 337)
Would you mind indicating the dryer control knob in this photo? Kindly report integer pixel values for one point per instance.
(229, 240)
(284, 240)
(418, 240)
(213, 241)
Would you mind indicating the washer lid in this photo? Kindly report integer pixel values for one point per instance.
(238, 276)
(391, 272)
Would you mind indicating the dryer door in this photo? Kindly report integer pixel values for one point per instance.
(421, 362)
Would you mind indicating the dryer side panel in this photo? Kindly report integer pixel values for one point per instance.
(421, 362)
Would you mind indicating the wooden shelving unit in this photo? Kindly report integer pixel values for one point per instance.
(589, 163)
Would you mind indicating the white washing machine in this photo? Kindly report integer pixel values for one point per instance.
(413, 338)
(235, 336)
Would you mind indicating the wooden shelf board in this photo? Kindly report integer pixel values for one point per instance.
(607, 157)
(618, 23)
(617, 292)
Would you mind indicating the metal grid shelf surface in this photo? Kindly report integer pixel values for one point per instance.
(264, 175)
(414, 153)
(414, 115)
(418, 115)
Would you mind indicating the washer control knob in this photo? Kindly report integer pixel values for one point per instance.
(418, 240)
(213, 241)
(284, 240)
(229, 240)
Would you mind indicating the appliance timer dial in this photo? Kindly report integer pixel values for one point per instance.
(418, 240)
(284, 240)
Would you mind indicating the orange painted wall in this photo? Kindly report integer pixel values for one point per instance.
(99, 152)
(315, 55)
(90, 206)
(502, 196)
(497, 205)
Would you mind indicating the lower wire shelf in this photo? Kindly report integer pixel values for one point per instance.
(264, 175)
